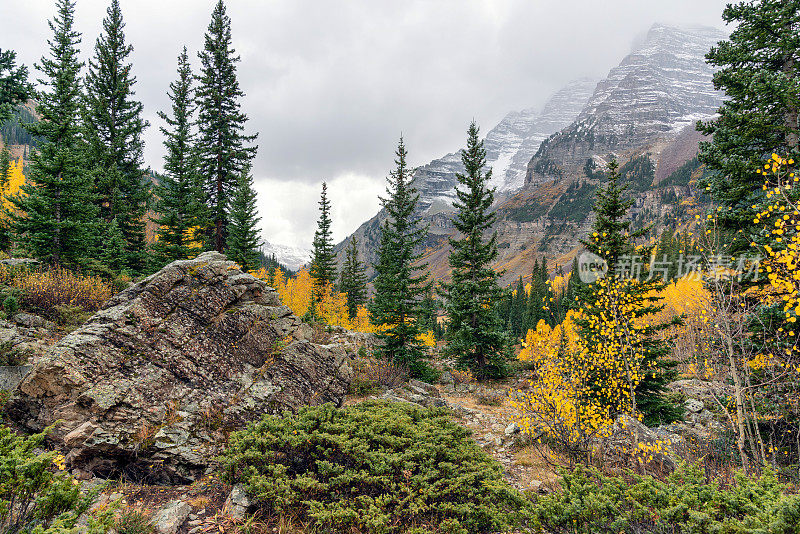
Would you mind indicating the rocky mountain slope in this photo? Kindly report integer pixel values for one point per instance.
(509, 147)
(642, 114)
(658, 89)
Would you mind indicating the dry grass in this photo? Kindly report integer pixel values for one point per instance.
(374, 373)
(529, 465)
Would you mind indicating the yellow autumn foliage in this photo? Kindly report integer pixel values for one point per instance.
(559, 402)
(11, 186)
(582, 382)
(296, 293)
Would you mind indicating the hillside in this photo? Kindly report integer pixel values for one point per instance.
(509, 147)
(643, 112)
(14, 136)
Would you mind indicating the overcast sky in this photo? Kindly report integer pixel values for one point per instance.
(332, 84)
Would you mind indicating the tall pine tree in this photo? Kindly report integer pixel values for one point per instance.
(759, 71)
(475, 333)
(113, 132)
(323, 260)
(58, 210)
(628, 301)
(221, 144)
(179, 200)
(400, 283)
(5, 230)
(243, 236)
(353, 281)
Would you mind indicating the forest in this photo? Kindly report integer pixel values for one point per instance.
(588, 351)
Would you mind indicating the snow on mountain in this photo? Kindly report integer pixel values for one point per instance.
(292, 257)
(509, 146)
(663, 85)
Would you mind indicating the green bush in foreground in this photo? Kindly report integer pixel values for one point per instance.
(373, 467)
(685, 503)
(36, 499)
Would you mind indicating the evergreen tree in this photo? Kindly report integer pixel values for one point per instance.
(112, 254)
(178, 197)
(759, 71)
(429, 313)
(243, 235)
(400, 283)
(221, 144)
(538, 304)
(571, 292)
(323, 260)
(5, 166)
(519, 301)
(59, 208)
(353, 279)
(475, 335)
(5, 230)
(13, 83)
(113, 133)
(612, 240)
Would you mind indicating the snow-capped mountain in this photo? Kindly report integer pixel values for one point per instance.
(646, 105)
(509, 146)
(662, 86)
(292, 257)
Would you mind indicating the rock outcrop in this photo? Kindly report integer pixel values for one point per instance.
(153, 382)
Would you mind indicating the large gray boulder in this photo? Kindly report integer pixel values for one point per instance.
(153, 382)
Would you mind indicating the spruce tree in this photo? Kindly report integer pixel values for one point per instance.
(5, 230)
(243, 236)
(400, 283)
(519, 300)
(323, 260)
(475, 335)
(353, 279)
(759, 71)
(112, 253)
(113, 133)
(13, 83)
(5, 166)
(221, 141)
(613, 240)
(178, 198)
(429, 312)
(59, 212)
(571, 292)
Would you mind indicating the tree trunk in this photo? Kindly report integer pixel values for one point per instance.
(740, 411)
(790, 114)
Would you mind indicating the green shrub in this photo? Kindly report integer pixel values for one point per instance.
(374, 467)
(34, 496)
(684, 503)
(10, 305)
(67, 315)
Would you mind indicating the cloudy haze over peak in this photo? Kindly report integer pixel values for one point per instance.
(331, 85)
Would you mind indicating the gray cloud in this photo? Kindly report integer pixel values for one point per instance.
(331, 84)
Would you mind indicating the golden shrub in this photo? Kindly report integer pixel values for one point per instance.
(47, 290)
